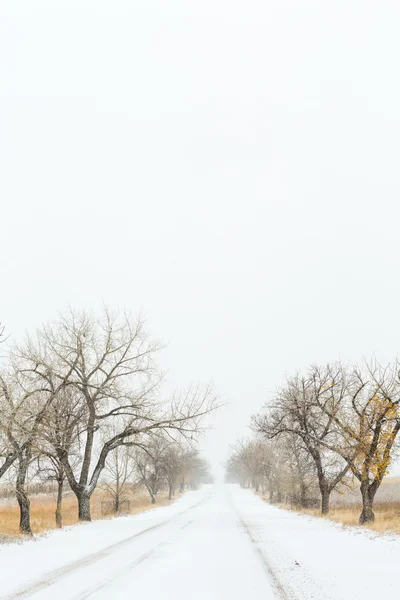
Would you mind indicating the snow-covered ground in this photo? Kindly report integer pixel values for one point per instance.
(218, 543)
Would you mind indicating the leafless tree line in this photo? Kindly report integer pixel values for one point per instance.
(281, 473)
(321, 429)
(161, 464)
(80, 392)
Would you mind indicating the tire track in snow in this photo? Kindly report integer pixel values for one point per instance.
(275, 582)
(121, 572)
(282, 579)
(54, 576)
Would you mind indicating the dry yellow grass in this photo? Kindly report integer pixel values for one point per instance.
(387, 516)
(346, 507)
(43, 512)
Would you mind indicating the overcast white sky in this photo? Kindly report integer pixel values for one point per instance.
(231, 167)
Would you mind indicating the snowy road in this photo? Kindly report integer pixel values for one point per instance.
(217, 543)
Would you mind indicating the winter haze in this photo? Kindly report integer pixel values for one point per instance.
(229, 168)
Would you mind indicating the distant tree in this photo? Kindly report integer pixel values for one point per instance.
(173, 459)
(236, 471)
(247, 454)
(302, 476)
(118, 474)
(150, 465)
(199, 471)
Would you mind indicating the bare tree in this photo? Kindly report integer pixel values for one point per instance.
(248, 456)
(367, 415)
(252, 464)
(199, 471)
(150, 465)
(49, 468)
(118, 474)
(298, 409)
(62, 429)
(173, 459)
(347, 420)
(302, 476)
(25, 403)
(9, 450)
(109, 362)
(236, 471)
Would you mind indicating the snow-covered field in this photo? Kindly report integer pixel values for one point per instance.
(218, 543)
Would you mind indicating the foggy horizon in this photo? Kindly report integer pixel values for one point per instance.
(240, 187)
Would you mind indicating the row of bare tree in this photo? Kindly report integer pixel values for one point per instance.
(274, 468)
(334, 423)
(80, 389)
(160, 465)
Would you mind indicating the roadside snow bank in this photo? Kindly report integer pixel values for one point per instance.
(316, 559)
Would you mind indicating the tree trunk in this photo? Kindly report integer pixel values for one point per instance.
(170, 492)
(59, 503)
(323, 485)
(278, 494)
(83, 506)
(117, 499)
(303, 494)
(22, 496)
(325, 496)
(368, 494)
(24, 512)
